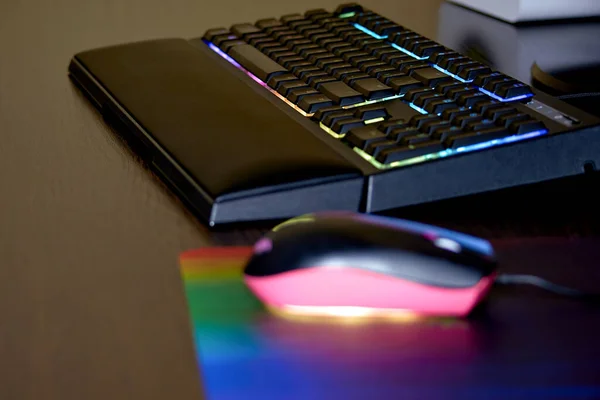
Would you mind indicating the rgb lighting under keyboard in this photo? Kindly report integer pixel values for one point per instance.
(395, 97)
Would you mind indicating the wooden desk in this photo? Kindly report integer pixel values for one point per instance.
(91, 300)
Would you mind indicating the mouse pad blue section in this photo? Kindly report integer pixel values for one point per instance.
(245, 351)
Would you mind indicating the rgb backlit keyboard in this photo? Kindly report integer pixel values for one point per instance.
(342, 110)
(391, 94)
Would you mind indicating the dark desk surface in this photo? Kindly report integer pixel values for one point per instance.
(91, 300)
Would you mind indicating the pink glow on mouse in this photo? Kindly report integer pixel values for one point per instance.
(346, 290)
(263, 246)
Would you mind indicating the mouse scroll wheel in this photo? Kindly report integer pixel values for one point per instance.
(448, 244)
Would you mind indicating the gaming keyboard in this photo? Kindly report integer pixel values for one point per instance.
(329, 110)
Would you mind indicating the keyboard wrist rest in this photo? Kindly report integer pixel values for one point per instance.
(157, 90)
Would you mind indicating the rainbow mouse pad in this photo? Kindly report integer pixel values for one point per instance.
(247, 351)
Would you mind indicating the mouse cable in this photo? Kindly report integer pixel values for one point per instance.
(517, 279)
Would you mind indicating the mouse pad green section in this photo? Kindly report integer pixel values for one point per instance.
(245, 351)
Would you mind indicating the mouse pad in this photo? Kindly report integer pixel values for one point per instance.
(246, 351)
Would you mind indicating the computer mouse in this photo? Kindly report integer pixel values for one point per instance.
(351, 264)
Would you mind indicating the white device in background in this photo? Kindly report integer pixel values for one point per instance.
(534, 10)
(517, 51)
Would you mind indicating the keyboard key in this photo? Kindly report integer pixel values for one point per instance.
(378, 72)
(332, 68)
(360, 61)
(272, 51)
(444, 134)
(527, 126)
(385, 77)
(309, 76)
(341, 73)
(295, 95)
(314, 102)
(413, 94)
(256, 62)
(452, 113)
(364, 135)
(284, 55)
(494, 113)
(464, 90)
(447, 62)
(330, 60)
(267, 23)
(286, 19)
(308, 53)
(276, 28)
(300, 22)
(227, 45)
(445, 87)
(286, 86)
(469, 100)
(332, 118)
(403, 133)
(513, 90)
(344, 125)
(277, 80)
(262, 43)
(375, 49)
(484, 106)
(466, 117)
(392, 123)
(341, 93)
(419, 120)
(492, 84)
(426, 51)
(371, 65)
(371, 111)
(407, 66)
(375, 148)
(482, 80)
(416, 139)
(438, 56)
(473, 72)
(372, 89)
(480, 125)
(293, 66)
(439, 105)
(244, 29)
(457, 67)
(211, 33)
(348, 8)
(422, 101)
(219, 40)
(286, 61)
(350, 78)
(299, 44)
(471, 138)
(308, 27)
(301, 72)
(508, 119)
(434, 126)
(430, 76)
(315, 58)
(321, 113)
(323, 37)
(321, 80)
(388, 156)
